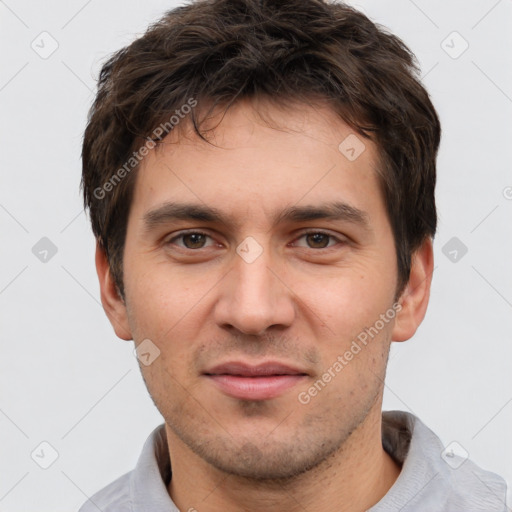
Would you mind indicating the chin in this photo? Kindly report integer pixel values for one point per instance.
(266, 460)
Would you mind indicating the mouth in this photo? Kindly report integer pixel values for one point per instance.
(254, 382)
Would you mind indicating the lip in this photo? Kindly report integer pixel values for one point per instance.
(254, 382)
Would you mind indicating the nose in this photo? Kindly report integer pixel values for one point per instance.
(255, 297)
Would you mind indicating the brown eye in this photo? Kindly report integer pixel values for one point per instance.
(318, 240)
(193, 240)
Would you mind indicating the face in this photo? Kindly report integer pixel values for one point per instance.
(252, 267)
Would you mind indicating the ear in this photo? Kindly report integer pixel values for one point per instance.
(415, 296)
(113, 304)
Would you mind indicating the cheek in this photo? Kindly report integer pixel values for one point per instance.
(348, 301)
(162, 298)
(352, 309)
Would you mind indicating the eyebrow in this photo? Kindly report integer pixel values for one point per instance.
(172, 211)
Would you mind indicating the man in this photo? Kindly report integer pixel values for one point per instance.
(260, 177)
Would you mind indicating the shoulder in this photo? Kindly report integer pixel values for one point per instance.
(115, 497)
(144, 486)
(474, 487)
(433, 477)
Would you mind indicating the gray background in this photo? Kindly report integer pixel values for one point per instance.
(66, 380)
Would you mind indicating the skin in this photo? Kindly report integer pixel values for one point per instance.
(298, 302)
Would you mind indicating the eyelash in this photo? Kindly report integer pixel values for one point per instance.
(305, 233)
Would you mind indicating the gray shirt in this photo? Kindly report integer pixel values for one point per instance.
(430, 480)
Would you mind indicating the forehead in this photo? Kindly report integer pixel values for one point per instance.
(262, 157)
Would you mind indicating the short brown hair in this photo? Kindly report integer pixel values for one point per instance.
(219, 51)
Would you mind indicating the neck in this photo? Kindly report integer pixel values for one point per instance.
(354, 478)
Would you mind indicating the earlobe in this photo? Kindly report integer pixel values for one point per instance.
(113, 304)
(415, 297)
